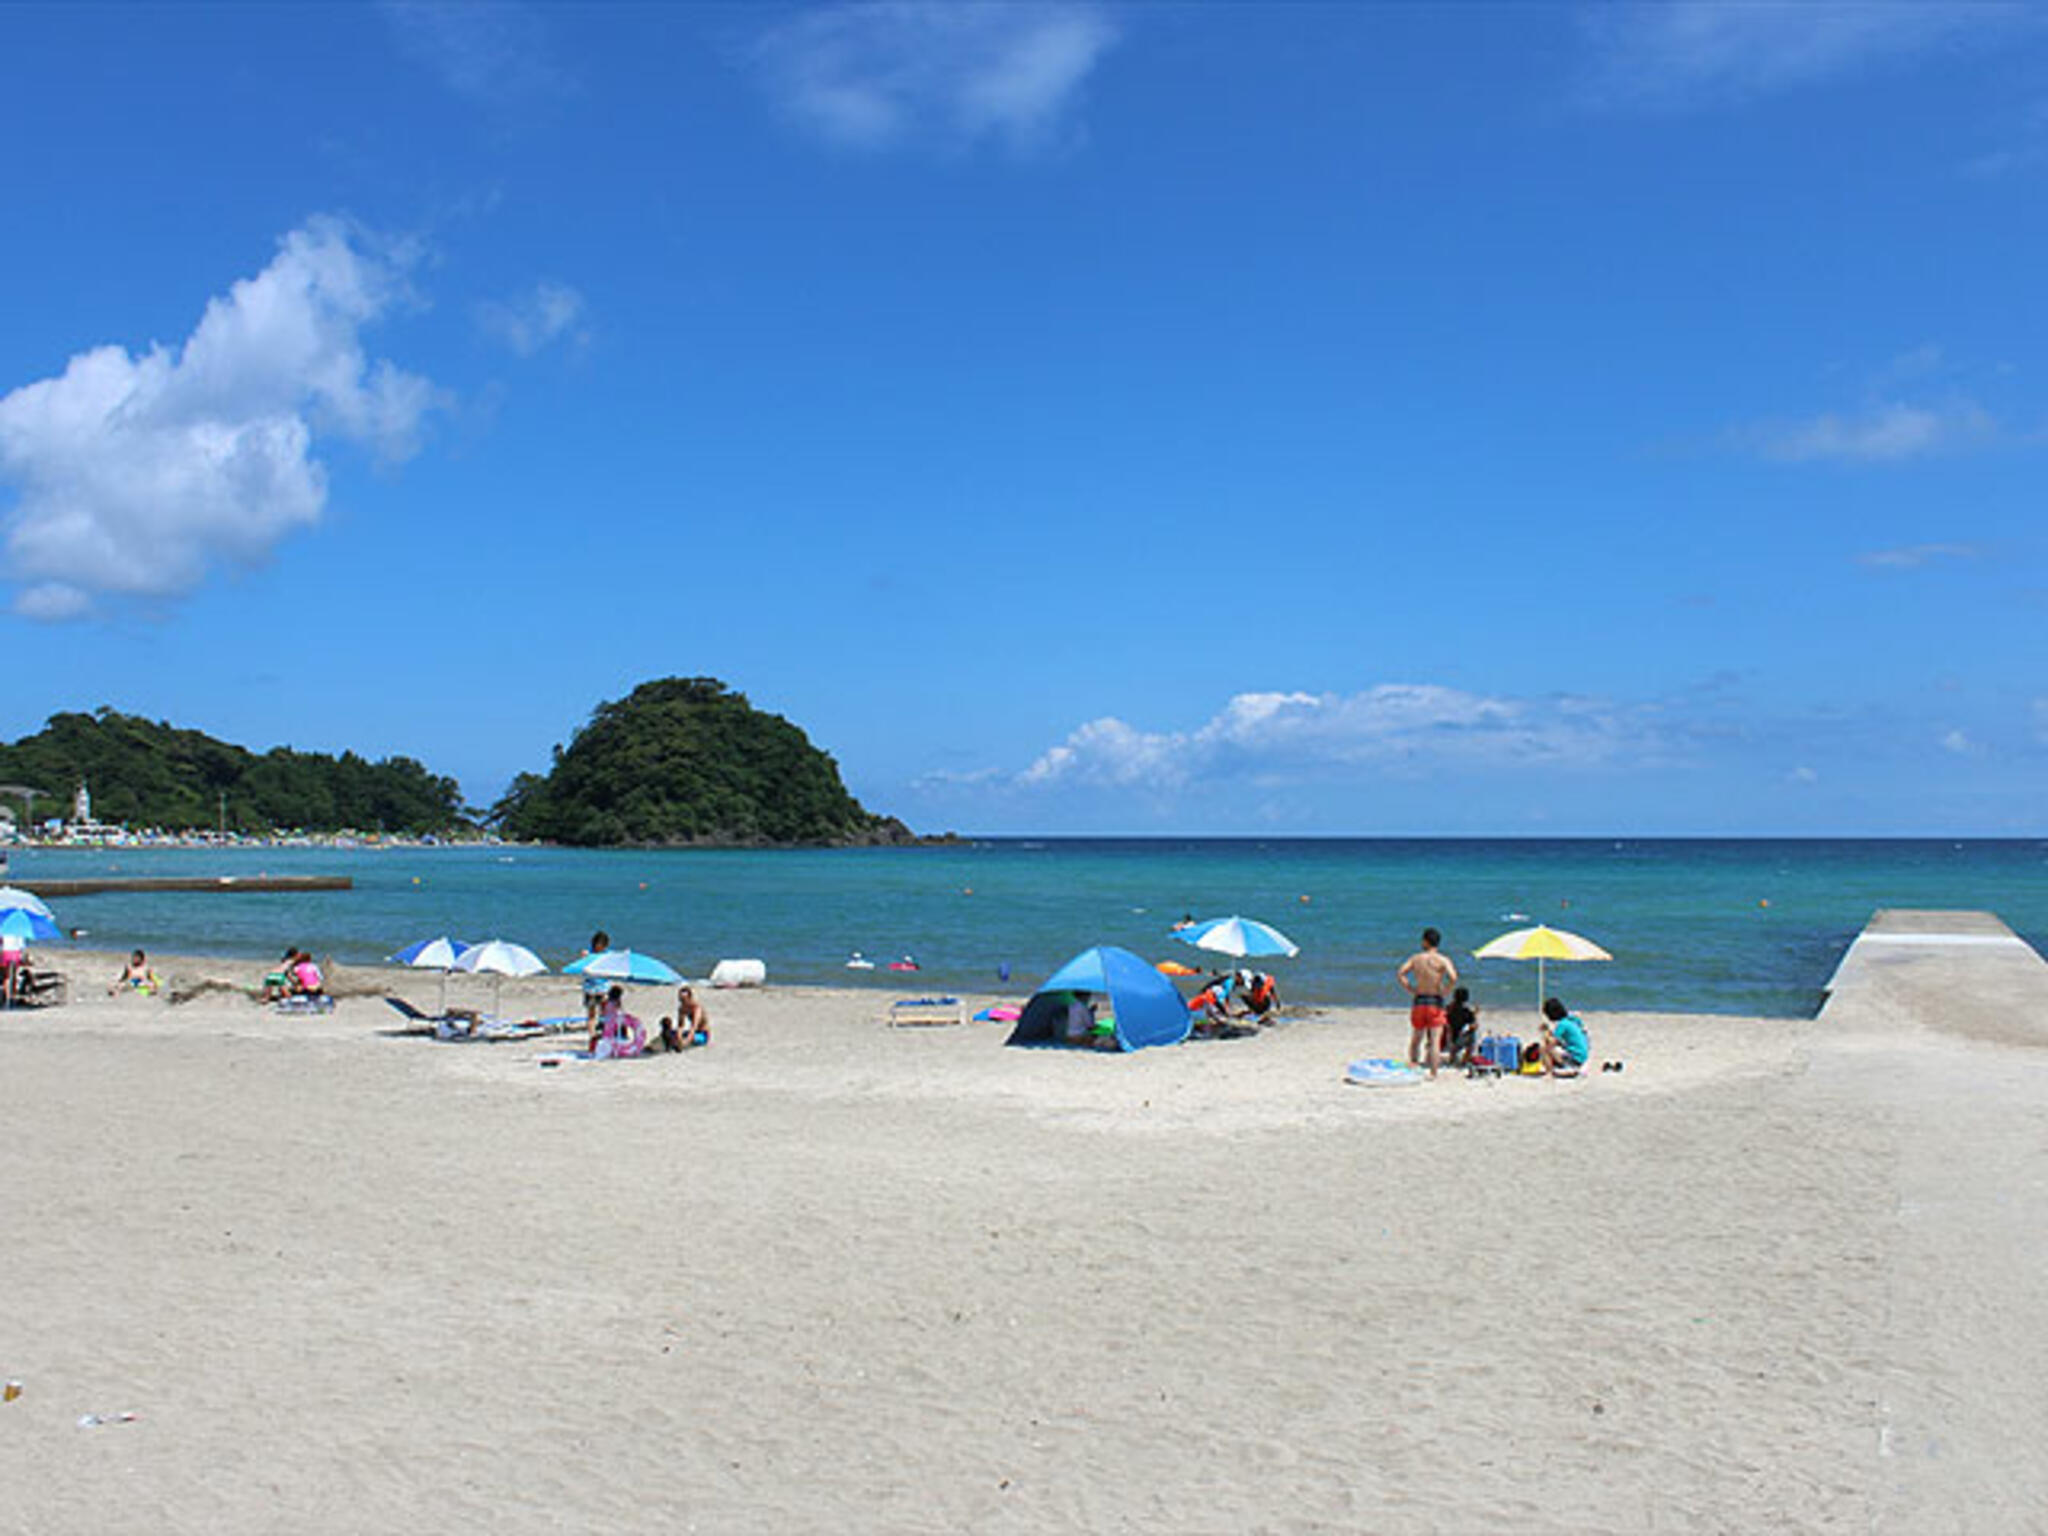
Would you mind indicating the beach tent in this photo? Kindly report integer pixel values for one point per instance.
(1147, 1007)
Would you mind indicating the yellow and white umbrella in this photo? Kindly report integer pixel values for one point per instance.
(1540, 944)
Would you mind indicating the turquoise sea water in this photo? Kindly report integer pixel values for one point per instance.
(1720, 926)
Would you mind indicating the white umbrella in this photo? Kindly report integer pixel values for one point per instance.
(500, 958)
(1540, 944)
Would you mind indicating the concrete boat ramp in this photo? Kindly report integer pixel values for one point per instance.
(1933, 1037)
(1958, 973)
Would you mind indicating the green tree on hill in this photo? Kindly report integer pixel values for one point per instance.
(687, 760)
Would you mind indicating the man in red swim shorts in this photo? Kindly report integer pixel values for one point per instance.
(1428, 976)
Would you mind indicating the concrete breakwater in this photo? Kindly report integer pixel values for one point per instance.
(60, 889)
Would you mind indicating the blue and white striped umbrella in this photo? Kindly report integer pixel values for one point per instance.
(432, 954)
(14, 896)
(25, 923)
(623, 965)
(1240, 936)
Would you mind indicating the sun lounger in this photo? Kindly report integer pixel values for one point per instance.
(420, 1022)
(460, 1025)
(924, 1012)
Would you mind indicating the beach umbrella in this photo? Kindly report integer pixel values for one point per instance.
(436, 954)
(433, 954)
(1239, 936)
(15, 896)
(24, 923)
(623, 965)
(1540, 944)
(499, 958)
(17, 925)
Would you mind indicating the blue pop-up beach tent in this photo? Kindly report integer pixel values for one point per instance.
(1146, 1007)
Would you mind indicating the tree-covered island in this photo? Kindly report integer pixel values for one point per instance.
(688, 761)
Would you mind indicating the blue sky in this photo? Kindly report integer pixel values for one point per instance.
(1218, 419)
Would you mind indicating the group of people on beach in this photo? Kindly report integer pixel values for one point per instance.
(1443, 1026)
(296, 976)
(616, 1034)
(1234, 1003)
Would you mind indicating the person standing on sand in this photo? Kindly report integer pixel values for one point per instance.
(1427, 975)
(595, 987)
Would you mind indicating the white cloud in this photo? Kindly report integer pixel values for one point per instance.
(1282, 737)
(529, 322)
(1913, 556)
(1957, 742)
(1882, 434)
(1698, 51)
(1804, 775)
(136, 473)
(870, 76)
(488, 50)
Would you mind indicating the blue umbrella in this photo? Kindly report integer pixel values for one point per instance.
(1239, 936)
(26, 923)
(623, 965)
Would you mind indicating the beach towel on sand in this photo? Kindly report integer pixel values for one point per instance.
(1381, 1072)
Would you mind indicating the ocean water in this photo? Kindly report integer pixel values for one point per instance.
(1724, 926)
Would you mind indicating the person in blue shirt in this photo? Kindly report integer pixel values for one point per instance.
(1565, 1046)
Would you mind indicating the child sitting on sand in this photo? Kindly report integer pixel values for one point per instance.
(618, 1034)
(1461, 1028)
(136, 976)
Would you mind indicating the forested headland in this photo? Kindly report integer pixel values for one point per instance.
(679, 762)
(145, 773)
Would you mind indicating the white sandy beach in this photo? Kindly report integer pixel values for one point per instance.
(830, 1276)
